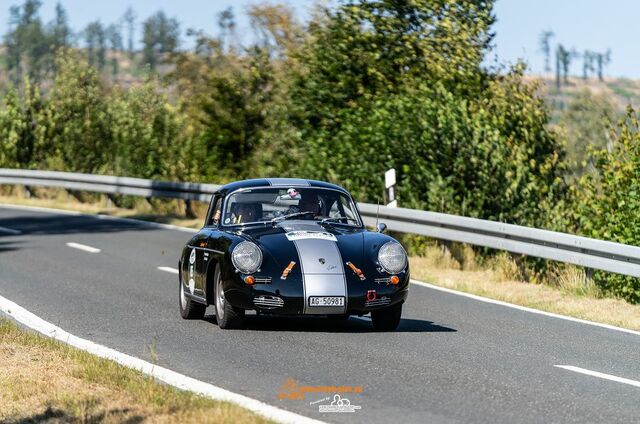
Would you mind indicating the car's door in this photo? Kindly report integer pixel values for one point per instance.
(206, 246)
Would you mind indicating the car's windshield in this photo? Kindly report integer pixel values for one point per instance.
(274, 204)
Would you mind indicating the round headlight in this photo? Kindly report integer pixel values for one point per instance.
(392, 257)
(246, 257)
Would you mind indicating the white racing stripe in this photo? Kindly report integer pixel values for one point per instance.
(168, 269)
(165, 375)
(10, 231)
(83, 247)
(600, 375)
(524, 308)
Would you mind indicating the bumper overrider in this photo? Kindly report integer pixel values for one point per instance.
(290, 296)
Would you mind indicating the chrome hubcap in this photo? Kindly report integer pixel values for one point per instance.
(219, 299)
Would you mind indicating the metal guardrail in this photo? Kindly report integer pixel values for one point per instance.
(109, 184)
(582, 251)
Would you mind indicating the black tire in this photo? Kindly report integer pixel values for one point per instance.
(189, 309)
(387, 319)
(227, 315)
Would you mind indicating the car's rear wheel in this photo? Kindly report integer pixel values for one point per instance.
(189, 309)
(387, 319)
(227, 315)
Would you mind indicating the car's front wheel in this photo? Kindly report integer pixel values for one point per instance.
(387, 319)
(227, 315)
(190, 309)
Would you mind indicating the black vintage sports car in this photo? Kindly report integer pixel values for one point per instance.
(291, 247)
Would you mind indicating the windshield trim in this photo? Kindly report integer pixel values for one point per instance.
(240, 226)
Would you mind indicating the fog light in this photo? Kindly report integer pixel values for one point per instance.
(394, 279)
(249, 279)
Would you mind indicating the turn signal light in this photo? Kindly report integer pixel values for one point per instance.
(356, 271)
(287, 270)
(250, 279)
(394, 279)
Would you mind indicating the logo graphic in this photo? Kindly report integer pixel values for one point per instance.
(322, 260)
(339, 404)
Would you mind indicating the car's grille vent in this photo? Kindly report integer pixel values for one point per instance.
(385, 280)
(263, 280)
(378, 302)
(269, 302)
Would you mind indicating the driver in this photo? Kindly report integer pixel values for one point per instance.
(243, 213)
(310, 203)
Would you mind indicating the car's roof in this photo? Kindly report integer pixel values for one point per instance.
(278, 182)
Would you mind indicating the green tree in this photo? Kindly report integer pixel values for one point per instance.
(147, 134)
(27, 43)
(129, 18)
(387, 84)
(76, 130)
(96, 42)
(607, 202)
(12, 128)
(602, 60)
(161, 35)
(586, 122)
(114, 38)
(545, 48)
(60, 31)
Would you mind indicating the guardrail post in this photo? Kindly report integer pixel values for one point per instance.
(188, 209)
(588, 273)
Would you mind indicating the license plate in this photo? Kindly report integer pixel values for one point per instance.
(326, 301)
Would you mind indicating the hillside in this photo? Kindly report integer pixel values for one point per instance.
(619, 91)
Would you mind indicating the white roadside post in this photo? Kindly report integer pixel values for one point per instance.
(390, 183)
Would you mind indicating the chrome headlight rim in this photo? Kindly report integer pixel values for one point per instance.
(384, 264)
(246, 248)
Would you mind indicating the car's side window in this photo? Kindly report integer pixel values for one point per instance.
(215, 212)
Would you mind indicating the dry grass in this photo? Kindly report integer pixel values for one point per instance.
(566, 291)
(42, 380)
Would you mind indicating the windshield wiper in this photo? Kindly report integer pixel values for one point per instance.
(337, 220)
(291, 215)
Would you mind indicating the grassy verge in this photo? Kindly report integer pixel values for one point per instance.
(568, 292)
(43, 380)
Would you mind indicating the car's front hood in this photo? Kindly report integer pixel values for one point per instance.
(317, 249)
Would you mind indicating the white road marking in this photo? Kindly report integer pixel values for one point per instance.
(41, 209)
(600, 375)
(10, 231)
(172, 378)
(168, 269)
(524, 308)
(83, 247)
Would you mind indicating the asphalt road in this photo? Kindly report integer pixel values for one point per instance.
(453, 359)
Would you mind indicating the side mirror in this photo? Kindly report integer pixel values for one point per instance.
(381, 228)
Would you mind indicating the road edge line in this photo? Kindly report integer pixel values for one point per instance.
(601, 375)
(173, 378)
(99, 216)
(525, 308)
